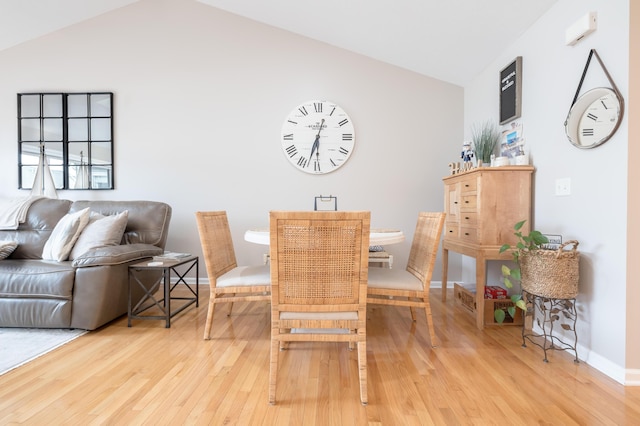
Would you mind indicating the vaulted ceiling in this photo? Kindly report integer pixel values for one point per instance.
(451, 40)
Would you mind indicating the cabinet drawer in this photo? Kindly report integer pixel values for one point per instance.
(468, 203)
(469, 185)
(469, 235)
(451, 230)
(469, 219)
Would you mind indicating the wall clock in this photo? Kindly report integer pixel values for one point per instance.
(317, 137)
(596, 115)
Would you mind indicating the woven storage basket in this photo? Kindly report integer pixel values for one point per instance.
(551, 273)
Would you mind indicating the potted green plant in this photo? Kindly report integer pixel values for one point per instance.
(531, 242)
(485, 138)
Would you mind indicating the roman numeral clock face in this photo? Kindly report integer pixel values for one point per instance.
(317, 137)
(599, 119)
(594, 118)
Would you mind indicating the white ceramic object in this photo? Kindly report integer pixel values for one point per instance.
(501, 161)
(522, 160)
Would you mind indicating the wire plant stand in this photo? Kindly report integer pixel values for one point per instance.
(548, 314)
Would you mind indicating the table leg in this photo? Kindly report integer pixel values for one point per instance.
(167, 295)
(197, 283)
(129, 301)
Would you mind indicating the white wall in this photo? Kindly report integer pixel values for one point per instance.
(595, 212)
(200, 97)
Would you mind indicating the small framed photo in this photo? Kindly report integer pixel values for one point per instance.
(512, 143)
(511, 91)
(554, 242)
(324, 203)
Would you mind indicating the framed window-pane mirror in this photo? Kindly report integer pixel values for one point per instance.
(76, 132)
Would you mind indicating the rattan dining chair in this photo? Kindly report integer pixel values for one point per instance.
(410, 286)
(319, 263)
(228, 282)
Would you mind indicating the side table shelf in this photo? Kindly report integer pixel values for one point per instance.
(180, 267)
(547, 314)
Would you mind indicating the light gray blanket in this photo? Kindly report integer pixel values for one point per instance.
(13, 211)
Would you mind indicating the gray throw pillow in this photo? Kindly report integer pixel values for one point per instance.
(102, 231)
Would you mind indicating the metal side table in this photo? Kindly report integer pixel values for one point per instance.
(180, 267)
(547, 313)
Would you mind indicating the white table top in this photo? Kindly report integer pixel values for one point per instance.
(377, 237)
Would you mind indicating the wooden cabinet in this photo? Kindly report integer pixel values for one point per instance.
(482, 206)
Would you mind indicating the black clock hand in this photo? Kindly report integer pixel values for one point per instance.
(314, 147)
(316, 144)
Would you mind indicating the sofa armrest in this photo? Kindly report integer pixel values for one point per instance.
(116, 255)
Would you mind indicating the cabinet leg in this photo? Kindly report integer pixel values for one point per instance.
(480, 283)
(445, 269)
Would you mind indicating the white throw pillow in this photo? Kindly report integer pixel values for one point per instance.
(6, 248)
(101, 231)
(64, 235)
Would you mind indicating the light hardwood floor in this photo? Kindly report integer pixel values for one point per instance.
(151, 375)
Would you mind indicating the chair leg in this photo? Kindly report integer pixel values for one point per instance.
(432, 333)
(209, 322)
(352, 343)
(273, 370)
(230, 307)
(362, 371)
(284, 344)
(413, 314)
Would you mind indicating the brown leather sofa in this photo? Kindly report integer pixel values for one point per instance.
(89, 291)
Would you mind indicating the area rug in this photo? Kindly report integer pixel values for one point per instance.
(21, 345)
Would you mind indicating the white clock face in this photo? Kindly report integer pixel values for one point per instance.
(598, 120)
(317, 137)
(594, 118)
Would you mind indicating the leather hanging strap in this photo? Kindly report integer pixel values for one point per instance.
(584, 73)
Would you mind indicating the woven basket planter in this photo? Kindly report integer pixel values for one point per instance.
(552, 274)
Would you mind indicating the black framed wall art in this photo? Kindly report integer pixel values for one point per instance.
(511, 91)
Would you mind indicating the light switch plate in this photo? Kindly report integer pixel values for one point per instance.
(563, 186)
